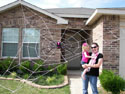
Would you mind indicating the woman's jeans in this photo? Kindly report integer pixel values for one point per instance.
(93, 84)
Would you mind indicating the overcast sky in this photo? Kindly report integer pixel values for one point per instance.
(72, 3)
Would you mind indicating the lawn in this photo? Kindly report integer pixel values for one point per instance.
(15, 87)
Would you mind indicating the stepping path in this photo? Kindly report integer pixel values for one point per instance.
(75, 82)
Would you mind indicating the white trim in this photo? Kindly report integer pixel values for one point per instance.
(31, 57)
(32, 42)
(8, 6)
(122, 45)
(112, 11)
(90, 20)
(16, 3)
(9, 42)
(4, 57)
(73, 15)
(99, 12)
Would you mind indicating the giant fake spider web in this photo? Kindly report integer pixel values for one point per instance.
(69, 47)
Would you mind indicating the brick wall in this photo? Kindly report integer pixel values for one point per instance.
(97, 34)
(106, 33)
(111, 44)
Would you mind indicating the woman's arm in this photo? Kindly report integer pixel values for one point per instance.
(95, 65)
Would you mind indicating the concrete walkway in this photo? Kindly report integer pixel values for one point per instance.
(75, 82)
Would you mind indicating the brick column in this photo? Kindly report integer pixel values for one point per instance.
(111, 44)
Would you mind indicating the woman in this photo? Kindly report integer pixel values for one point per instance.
(91, 76)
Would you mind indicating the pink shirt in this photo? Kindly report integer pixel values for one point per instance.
(84, 59)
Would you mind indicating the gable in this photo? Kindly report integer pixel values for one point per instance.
(106, 11)
(20, 2)
(25, 17)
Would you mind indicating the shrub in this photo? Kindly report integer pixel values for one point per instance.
(111, 82)
(6, 64)
(38, 66)
(50, 79)
(13, 75)
(41, 80)
(51, 69)
(25, 67)
(62, 69)
(1, 66)
(55, 79)
(26, 76)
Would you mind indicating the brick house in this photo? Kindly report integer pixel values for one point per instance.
(24, 25)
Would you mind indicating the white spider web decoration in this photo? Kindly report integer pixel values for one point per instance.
(70, 39)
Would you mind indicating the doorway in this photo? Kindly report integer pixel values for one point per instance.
(72, 40)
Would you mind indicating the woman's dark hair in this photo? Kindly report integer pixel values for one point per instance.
(95, 44)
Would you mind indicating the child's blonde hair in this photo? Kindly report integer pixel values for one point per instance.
(85, 47)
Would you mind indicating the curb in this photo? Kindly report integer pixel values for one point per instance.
(66, 82)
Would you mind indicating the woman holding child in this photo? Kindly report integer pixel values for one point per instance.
(91, 67)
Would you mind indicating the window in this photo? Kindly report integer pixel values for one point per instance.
(10, 37)
(31, 42)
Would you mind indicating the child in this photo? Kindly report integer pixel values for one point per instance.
(85, 57)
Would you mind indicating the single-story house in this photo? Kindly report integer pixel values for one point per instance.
(24, 25)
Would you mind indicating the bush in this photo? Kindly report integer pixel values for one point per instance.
(62, 69)
(25, 67)
(37, 66)
(50, 79)
(13, 75)
(51, 69)
(111, 82)
(26, 76)
(7, 64)
(29, 66)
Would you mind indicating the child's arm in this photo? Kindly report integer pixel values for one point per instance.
(86, 56)
(84, 66)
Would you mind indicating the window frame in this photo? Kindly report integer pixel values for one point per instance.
(2, 43)
(31, 43)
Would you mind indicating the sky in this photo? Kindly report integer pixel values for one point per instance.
(45, 4)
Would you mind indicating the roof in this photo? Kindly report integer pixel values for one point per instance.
(72, 12)
(21, 2)
(60, 13)
(104, 11)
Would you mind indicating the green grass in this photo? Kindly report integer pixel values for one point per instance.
(7, 86)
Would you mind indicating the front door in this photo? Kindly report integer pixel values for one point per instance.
(72, 49)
